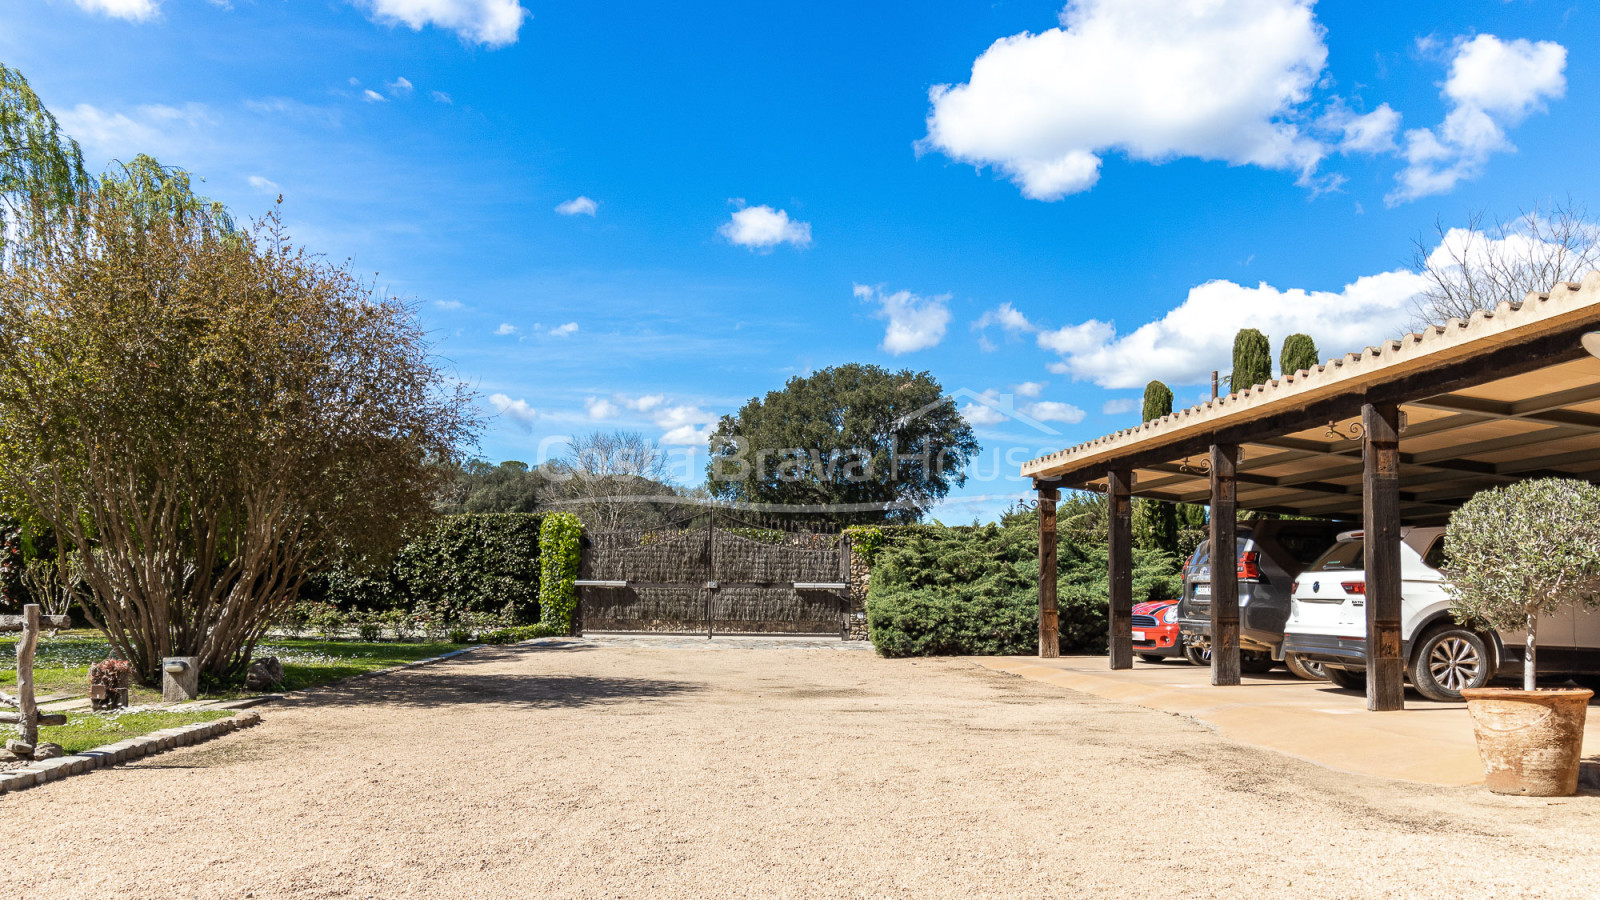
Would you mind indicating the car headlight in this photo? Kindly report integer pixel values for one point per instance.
(1171, 615)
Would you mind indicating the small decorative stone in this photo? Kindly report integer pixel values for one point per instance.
(263, 674)
(19, 749)
(48, 751)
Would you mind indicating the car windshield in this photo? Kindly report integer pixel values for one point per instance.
(1341, 557)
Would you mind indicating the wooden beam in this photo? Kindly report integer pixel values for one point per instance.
(1381, 535)
(1049, 635)
(1224, 565)
(1119, 562)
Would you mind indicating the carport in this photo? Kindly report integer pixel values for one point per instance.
(1399, 433)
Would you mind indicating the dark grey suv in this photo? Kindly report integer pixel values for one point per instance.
(1271, 552)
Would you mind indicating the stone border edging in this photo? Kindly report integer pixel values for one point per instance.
(42, 771)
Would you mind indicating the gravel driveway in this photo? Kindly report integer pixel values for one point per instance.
(621, 770)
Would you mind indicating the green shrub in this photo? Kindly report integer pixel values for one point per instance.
(974, 591)
(518, 634)
(560, 547)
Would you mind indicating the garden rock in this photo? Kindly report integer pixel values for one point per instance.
(48, 751)
(19, 749)
(263, 673)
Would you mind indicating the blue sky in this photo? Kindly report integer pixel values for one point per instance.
(1043, 207)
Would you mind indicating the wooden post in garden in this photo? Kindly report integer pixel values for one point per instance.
(1049, 636)
(1380, 495)
(1119, 562)
(27, 716)
(1224, 565)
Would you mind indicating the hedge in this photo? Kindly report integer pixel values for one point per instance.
(472, 566)
(973, 590)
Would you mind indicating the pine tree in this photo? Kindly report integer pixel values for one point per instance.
(1299, 352)
(1252, 360)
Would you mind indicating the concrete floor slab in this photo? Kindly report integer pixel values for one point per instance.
(1427, 742)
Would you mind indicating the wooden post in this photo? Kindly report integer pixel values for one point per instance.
(1049, 638)
(1380, 495)
(1224, 565)
(1119, 559)
(28, 709)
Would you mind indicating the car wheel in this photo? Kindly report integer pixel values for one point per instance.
(1448, 661)
(1255, 662)
(1152, 657)
(1197, 654)
(1347, 679)
(1305, 668)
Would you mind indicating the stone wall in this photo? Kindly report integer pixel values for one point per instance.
(860, 578)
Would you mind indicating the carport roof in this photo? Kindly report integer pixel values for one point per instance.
(1505, 395)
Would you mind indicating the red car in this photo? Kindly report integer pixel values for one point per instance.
(1155, 631)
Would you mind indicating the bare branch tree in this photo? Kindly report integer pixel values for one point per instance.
(613, 479)
(1478, 266)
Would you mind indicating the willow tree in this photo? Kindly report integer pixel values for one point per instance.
(42, 179)
(204, 416)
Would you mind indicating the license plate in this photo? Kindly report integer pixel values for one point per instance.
(1138, 635)
(1202, 590)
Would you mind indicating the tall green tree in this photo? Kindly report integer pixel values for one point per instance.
(1299, 352)
(1155, 522)
(850, 444)
(1252, 360)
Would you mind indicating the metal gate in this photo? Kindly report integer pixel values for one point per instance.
(715, 575)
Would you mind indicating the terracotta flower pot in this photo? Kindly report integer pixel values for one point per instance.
(1530, 741)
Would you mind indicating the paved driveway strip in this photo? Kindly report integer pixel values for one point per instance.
(578, 769)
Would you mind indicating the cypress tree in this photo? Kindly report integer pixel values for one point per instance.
(1155, 522)
(1299, 352)
(1157, 400)
(1252, 360)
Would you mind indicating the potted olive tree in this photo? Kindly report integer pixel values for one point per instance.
(1516, 553)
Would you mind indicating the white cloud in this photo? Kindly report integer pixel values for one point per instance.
(642, 404)
(1121, 406)
(162, 131)
(371, 96)
(491, 22)
(400, 87)
(1371, 132)
(516, 410)
(601, 409)
(505, 329)
(448, 304)
(1052, 411)
(687, 426)
(264, 185)
(566, 330)
(132, 10)
(578, 206)
(981, 414)
(1152, 79)
(1188, 342)
(915, 323)
(761, 228)
(440, 97)
(1029, 388)
(1493, 85)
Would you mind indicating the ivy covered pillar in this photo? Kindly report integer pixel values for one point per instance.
(1049, 635)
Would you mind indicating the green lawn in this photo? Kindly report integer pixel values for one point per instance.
(87, 730)
(61, 665)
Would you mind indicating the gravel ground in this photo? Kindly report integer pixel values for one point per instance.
(624, 770)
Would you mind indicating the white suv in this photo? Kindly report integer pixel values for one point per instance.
(1328, 624)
